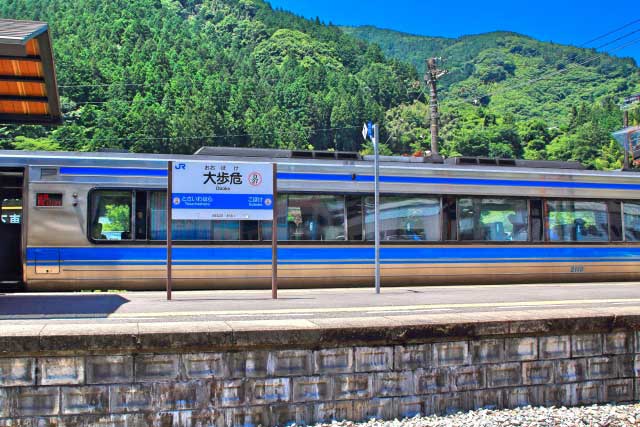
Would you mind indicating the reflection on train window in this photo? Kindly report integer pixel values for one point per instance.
(495, 220)
(631, 222)
(110, 215)
(404, 218)
(11, 211)
(577, 221)
(315, 217)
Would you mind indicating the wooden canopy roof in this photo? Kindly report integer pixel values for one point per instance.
(28, 86)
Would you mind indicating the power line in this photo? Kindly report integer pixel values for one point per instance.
(618, 39)
(610, 32)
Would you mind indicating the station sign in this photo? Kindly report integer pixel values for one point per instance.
(203, 190)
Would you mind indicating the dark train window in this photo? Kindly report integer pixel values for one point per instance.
(450, 218)
(615, 221)
(493, 219)
(631, 213)
(404, 218)
(355, 216)
(536, 215)
(110, 215)
(577, 221)
(316, 217)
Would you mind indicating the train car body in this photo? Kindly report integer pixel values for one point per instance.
(76, 221)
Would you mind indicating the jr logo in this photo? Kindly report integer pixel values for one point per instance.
(182, 166)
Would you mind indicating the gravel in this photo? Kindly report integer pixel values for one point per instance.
(591, 416)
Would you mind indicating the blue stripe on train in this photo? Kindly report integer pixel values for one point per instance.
(327, 255)
(92, 171)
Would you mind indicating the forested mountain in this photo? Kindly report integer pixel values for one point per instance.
(173, 75)
(510, 95)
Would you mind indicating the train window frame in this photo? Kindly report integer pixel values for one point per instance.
(90, 199)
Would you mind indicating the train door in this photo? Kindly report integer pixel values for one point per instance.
(11, 219)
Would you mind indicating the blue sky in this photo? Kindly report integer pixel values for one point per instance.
(562, 21)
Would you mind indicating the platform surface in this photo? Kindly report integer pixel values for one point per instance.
(326, 305)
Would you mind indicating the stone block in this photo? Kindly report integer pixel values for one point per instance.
(227, 393)
(61, 370)
(312, 389)
(570, 370)
(625, 366)
(373, 359)
(333, 361)
(465, 378)
(84, 400)
(177, 396)
(504, 375)
(269, 390)
(250, 364)
(386, 384)
(599, 368)
(290, 363)
(586, 393)
(288, 415)
(109, 369)
(205, 365)
(410, 406)
(412, 357)
(618, 391)
(486, 399)
(523, 396)
(583, 393)
(452, 353)
(618, 343)
(130, 398)
(539, 372)
(35, 401)
(195, 418)
(378, 409)
(351, 386)
(451, 403)
(520, 349)
(487, 351)
(157, 367)
(17, 371)
(5, 404)
(586, 345)
(247, 417)
(333, 411)
(555, 347)
(430, 381)
(554, 395)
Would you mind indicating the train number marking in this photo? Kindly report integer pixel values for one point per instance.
(577, 268)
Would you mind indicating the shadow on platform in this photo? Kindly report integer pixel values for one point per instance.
(34, 306)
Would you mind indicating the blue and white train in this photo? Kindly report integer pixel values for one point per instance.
(75, 221)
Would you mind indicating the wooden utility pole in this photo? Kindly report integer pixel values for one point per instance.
(431, 77)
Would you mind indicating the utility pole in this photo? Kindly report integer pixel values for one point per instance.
(431, 77)
(625, 124)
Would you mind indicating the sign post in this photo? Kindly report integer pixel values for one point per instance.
(274, 236)
(370, 130)
(169, 215)
(221, 191)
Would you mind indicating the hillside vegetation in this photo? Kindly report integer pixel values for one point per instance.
(174, 75)
(510, 95)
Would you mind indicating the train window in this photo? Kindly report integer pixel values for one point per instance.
(615, 220)
(355, 218)
(110, 216)
(450, 218)
(315, 217)
(631, 221)
(535, 209)
(158, 215)
(404, 218)
(282, 221)
(141, 215)
(577, 221)
(491, 219)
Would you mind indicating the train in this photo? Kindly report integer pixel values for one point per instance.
(97, 221)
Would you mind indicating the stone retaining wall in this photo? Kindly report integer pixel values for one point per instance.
(302, 384)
